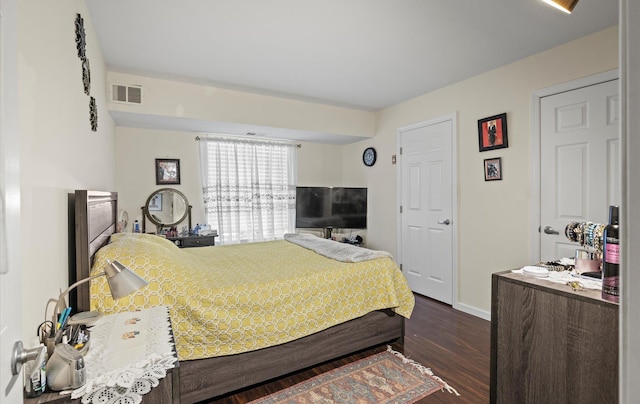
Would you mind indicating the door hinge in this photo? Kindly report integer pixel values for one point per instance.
(400, 267)
(401, 151)
(400, 208)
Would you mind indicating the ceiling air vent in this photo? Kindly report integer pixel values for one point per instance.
(126, 94)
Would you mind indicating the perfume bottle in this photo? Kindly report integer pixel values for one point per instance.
(611, 257)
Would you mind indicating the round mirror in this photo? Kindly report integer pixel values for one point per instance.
(166, 207)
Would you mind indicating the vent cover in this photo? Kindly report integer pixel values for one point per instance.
(126, 93)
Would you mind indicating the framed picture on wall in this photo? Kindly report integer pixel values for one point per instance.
(492, 132)
(493, 169)
(167, 171)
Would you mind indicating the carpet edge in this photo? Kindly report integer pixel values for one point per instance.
(422, 369)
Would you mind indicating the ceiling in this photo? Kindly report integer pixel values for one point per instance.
(362, 54)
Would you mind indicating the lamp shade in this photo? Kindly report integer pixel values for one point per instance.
(122, 281)
(563, 5)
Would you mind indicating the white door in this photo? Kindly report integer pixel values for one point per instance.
(10, 281)
(426, 242)
(579, 162)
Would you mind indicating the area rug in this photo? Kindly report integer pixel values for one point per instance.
(387, 377)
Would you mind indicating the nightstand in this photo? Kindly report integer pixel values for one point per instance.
(166, 392)
(194, 241)
(168, 389)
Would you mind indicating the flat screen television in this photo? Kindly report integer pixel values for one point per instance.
(337, 207)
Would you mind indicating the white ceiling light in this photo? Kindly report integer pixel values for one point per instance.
(563, 5)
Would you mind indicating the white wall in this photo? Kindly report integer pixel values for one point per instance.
(137, 149)
(320, 165)
(183, 100)
(493, 217)
(59, 152)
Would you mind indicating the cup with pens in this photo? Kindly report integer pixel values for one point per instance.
(76, 335)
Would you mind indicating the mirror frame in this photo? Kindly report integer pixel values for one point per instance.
(147, 215)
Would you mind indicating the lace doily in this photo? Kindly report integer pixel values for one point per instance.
(129, 354)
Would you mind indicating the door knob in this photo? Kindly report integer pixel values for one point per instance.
(446, 221)
(20, 356)
(549, 230)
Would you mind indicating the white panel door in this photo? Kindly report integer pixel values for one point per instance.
(580, 162)
(426, 199)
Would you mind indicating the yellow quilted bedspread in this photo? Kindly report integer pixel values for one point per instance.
(231, 299)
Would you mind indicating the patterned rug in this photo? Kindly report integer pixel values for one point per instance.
(387, 377)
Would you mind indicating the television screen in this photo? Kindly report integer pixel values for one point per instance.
(338, 207)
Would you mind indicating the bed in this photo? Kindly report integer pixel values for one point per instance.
(207, 374)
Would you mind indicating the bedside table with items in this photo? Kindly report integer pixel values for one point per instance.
(130, 353)
(194, 241)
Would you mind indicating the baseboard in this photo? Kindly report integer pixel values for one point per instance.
(474, 311)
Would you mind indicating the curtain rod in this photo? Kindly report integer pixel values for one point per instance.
(298, 145)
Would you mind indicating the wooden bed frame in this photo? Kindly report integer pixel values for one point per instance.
(94, 220)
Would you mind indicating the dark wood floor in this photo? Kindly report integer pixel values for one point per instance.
(453, 344)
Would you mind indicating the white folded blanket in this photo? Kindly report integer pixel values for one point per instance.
(332, 249)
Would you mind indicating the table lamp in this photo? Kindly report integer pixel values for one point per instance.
(122, 282)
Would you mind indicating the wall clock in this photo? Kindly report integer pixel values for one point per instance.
(369, 156)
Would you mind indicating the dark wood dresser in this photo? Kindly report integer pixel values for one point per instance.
(551, 344)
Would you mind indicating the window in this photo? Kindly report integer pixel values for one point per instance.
(249, 188)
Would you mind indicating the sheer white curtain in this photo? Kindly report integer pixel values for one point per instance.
(249, 188)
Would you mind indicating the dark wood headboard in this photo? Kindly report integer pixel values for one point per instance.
(94, 218)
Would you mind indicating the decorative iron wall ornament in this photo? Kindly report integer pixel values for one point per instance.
(93, 114)
(86, 77)
(80, 37)
(81, 44)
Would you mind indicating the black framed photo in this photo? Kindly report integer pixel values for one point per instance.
(493, 169)
(492, 132)
(167, 171)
